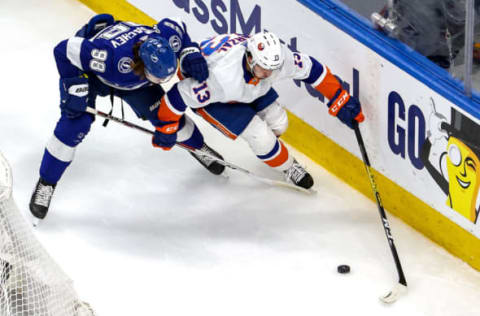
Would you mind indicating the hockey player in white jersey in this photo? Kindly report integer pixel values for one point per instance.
(126, 60)
(238, 98)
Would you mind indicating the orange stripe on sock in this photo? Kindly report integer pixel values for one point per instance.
(280, 159)
(329, 85)
(210, 119)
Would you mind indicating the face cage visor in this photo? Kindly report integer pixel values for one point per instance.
(157, 80)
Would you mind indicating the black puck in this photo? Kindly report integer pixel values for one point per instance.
(343, 268)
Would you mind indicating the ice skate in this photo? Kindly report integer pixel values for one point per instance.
(211, 164)
(40, 200)
(297, 175)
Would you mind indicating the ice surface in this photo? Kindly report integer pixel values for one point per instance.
(146, 232)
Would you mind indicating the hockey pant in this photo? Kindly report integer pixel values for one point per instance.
(240, 119)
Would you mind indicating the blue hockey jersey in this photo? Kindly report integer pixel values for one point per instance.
(109, 53)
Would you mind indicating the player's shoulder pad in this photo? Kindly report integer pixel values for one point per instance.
(175, 31)
(287, 52)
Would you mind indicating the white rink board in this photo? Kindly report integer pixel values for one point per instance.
(378, 79)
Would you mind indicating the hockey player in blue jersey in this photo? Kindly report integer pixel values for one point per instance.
(238, 98)
(126, 60)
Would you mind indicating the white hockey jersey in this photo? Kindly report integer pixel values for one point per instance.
(230, 81)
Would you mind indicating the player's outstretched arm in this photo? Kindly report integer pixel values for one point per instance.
(341, 104)
(171, 109)
(174, 103)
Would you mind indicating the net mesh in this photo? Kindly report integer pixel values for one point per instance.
(31, 283)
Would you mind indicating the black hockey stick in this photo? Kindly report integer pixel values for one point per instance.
(401, 286)
(227, 164)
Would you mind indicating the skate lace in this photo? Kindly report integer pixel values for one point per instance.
(295, 173)
(43, 194)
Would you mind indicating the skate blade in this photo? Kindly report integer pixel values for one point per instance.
(35, 221)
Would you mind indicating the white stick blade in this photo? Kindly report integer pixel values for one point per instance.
(393, 295)
(292, 186)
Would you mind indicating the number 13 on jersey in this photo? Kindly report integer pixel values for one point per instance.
(202, 93)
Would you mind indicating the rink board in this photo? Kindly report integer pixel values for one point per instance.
(399, 93)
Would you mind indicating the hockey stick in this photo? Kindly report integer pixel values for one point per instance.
(401, 286)
(199, 152)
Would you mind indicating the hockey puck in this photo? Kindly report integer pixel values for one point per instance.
(343, 268)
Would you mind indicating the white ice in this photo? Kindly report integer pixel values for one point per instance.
(147, 232)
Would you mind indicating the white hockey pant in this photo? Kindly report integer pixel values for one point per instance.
(276, 118)
(266, 145)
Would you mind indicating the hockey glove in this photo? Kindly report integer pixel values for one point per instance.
(95, 25)
(194, 64)
(74, 95)
(346, 108)
(164, 141)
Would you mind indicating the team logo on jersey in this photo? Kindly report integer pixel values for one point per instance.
(125, 65)
(175, 42)
(260, 46)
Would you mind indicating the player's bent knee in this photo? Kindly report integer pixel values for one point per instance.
(71, 132)
(276, 117)
(259, 136)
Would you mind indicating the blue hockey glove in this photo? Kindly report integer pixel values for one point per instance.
(346, 107)
(74, 95)
(164, 141)
(194, 64)
(95, 25)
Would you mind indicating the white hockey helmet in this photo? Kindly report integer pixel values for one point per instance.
(266, 51)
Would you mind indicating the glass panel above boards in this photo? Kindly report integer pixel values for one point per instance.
(434, 28)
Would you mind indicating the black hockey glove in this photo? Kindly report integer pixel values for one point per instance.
(95, 25)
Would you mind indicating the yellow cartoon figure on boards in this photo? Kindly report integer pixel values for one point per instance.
(457, 153)
(464, 181)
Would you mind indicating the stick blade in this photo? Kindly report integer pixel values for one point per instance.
(289, 185)
(394, 294)
(283, 184)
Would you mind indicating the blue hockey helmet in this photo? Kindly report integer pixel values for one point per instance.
(158, 57)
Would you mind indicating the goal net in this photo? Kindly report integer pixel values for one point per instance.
(31, 283)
